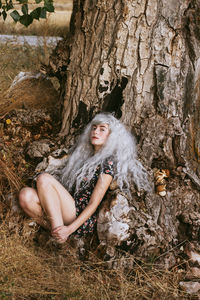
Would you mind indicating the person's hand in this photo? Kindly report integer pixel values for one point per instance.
(61, 233)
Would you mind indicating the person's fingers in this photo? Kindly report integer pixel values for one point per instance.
(56, 229)
(59, 235)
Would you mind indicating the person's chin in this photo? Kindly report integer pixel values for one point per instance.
(95, 142)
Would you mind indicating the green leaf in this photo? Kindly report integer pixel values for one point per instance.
(25, 9)
(9, 6)
(48, 4)
(4, 14)
(15, 15)
(43, 14)
(38, 1)
(26, 20)
(36, 13)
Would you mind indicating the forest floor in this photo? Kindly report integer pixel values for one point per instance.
(31, 266)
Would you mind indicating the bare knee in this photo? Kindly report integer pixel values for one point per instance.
(26, 195)
(43, 180)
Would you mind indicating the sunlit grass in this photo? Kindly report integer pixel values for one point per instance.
(59, 274)
(17, 58)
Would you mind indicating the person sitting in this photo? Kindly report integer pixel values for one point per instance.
(105, 151)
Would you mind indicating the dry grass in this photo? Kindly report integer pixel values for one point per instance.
(17, 58)
(29, 271)
(7, 173)
(21, 58)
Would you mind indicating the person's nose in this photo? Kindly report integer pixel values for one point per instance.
(96, 130)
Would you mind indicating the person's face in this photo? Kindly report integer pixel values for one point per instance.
(99, 134)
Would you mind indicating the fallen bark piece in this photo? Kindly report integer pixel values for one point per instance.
(113, 219)
(191, 287)
(193, 273)
(193, 256)
(39, 148)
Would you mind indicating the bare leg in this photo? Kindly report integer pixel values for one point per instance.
(30, 203)
(55, 200)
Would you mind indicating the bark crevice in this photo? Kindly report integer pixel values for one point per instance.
(113, 102)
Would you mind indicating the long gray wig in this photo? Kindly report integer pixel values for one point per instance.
(120, 145)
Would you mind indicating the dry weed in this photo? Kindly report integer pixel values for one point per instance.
(25, 274)
(17, 58)
(7, 172)
(29, 271)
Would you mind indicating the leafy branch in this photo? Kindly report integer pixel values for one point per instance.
(24, 16)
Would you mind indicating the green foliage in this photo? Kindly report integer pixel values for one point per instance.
(24, 16)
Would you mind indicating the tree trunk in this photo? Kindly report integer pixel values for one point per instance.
(141, 60)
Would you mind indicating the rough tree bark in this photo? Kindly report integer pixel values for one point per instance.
(141, 60)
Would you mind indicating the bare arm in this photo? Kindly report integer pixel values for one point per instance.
(62, 233)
